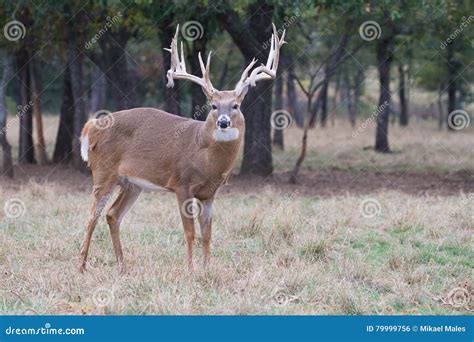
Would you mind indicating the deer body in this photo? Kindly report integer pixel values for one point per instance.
(149, 149)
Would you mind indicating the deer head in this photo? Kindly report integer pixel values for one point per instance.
(225, 116)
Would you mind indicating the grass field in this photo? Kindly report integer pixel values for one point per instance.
(363, 233)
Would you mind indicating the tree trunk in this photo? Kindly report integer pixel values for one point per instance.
(65, 135)
(75, 63)
(278, 133)
(114, 63)
(330, 68)
(291, 93)
(257, 157)
(36, 89)
(401, 95)
(324, 99)
(334, 100)
(452, 85)
(98, 90)
(384, 58)
(257, 149)
(225, 70)
(357, 91)
(313, 111)
(451, 100)
(198, 99)
(171, 95)
(304, 146)
(248, 36)
(7, 164)
(440, 111)
(349, 98)
(26, 147)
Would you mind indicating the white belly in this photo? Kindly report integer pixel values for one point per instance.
(146, 185)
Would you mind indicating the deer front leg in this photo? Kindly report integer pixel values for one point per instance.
(205, 223)
(187, 211)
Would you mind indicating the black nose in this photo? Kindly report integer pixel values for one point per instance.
(223, 122)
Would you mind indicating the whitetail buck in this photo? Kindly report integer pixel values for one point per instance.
(149, 149)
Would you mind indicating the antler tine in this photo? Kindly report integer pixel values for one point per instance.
(245, 75)
(206, 70)
(178, 68)
(201, 64)
(271, 54)
(182, 62)
(208, 62)
(175, 63)
(282, 39)
(264, 71)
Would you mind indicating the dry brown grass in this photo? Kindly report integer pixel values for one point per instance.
(421, 147)
(274, 251)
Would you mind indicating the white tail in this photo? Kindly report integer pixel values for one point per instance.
(85, 147)
(148, 149)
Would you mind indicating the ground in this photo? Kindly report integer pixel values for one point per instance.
(362, 233)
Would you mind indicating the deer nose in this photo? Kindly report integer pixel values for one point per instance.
(223, 121)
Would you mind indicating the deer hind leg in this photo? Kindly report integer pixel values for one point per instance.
(187, 216)
(205, 223)
(101, 195)
(128, 195)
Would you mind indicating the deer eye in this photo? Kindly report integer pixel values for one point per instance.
(214, 107)
(236, 106)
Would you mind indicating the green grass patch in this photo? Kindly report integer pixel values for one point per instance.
(314, 251)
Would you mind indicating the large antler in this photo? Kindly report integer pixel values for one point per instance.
(178, 68)
(263, 72)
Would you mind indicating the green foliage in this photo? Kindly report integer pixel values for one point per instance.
(314, 28)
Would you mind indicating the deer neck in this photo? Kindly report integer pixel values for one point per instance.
(222, 147)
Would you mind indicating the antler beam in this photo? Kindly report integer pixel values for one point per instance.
(263, 72)
(178, 68)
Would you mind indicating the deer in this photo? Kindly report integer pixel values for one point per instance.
(147, 149)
